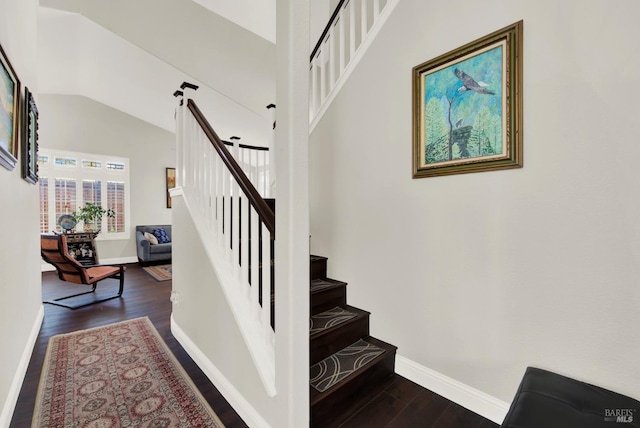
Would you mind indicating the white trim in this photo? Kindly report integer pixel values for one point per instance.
(249, 414)
(451, 389)
(119, 260)
(21, 371)
(353, 62)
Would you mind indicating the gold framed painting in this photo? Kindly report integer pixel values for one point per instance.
(467, 107)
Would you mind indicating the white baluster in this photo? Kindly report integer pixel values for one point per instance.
(195, 129)
(331, 54)
(323, 73)
(260, 174)
(212, 190)
(266, 278)
(313, 96)
(363, 20)
(189, 149)
(219, 196)
(252, 169)
(202, 177)
(226, 203)
(352, 29)
(235, 229)
(244, 242)
(255, 271)
(342, 42)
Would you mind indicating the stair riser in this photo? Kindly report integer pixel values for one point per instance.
(318, 268)
(327, 299)
(332, 409)
(324, 345)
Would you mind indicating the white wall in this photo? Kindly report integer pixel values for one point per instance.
(20, 307)
(69, 122)
(478, 276)
(208, 325)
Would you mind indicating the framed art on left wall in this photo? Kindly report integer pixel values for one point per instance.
(30, 138)
(9, 113)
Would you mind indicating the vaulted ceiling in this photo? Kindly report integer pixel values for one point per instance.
(132, 55)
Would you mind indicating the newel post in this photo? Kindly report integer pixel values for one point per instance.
(179, 116)
(272, 152)
(183, 134)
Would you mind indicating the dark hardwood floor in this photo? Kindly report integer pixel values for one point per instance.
(142, 296)
(399, 404)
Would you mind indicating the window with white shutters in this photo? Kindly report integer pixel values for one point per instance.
(71, 180)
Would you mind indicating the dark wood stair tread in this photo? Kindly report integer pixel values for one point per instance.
(327, 341)
(356, 312)
(388, 351)
(319, 285)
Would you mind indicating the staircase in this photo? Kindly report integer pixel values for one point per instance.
(348, 366)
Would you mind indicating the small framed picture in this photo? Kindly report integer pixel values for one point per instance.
(171, 183)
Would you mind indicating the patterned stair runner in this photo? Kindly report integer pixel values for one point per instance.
(320, 284)
(338, 366)
(330, 318)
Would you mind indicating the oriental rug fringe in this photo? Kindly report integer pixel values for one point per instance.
(119, 375)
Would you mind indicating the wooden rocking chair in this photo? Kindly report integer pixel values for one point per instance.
(54, 251)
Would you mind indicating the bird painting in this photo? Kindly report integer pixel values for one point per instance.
(469, 84)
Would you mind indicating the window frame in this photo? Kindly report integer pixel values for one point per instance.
(79, 172)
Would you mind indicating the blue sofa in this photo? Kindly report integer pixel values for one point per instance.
(148, 253)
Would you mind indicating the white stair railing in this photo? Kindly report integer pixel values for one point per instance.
(346, 37)
(237, 226)
(255, 162)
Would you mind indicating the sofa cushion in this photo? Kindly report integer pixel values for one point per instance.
(151, 238)
(162, 236)
(160, 248)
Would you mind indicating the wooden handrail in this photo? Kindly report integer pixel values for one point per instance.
(327, 28)
(246, 146)
(261, 207)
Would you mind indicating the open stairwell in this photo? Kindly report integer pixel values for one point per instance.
(348, 366)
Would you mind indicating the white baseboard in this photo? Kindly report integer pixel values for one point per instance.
(21, 371)
(119, 260)
(246, 411)
(464, 395)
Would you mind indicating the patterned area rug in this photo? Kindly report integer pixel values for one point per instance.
(338, 366)
(159, 273)
(119, 375)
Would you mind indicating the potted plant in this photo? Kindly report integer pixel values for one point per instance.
(91, 216)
